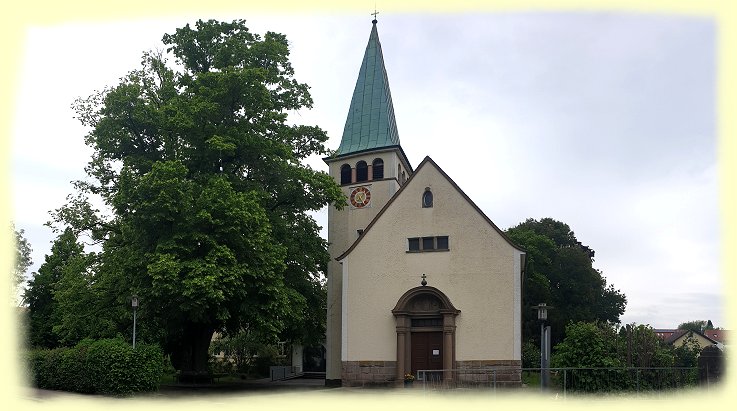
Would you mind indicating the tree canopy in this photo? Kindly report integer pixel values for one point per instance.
(560, 273)
(696, 325)
(54, 283)
(207, 192)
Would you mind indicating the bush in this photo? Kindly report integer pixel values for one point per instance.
(267, 356)
(530, 355)
(108, 366)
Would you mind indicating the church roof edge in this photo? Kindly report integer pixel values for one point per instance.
(426, 160)
(337, 157)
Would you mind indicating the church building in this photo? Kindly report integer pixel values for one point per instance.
(420, 278)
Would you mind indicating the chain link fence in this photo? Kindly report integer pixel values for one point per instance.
(564, 380)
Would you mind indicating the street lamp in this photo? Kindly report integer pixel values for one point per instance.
(134, 304)
(542, 315)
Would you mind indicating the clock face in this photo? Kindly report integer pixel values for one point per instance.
(360, 197)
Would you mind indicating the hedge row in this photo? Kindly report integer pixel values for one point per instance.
(108, 366)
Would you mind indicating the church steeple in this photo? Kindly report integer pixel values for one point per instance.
(370, 123)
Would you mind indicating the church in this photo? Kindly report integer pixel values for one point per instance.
(420, 278)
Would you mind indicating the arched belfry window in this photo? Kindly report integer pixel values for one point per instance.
(378, 166)
(361, 171)
(427, 198)
(345, 174)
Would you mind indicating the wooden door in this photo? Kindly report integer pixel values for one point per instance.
(427, 351)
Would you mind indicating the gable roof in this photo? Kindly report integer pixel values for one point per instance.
(716, 335)
(370, 123)
(399, 192)
(680, 333)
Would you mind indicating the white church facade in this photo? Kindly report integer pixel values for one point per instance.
(420, 278)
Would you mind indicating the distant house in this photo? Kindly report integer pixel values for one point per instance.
(664, 333)
(717, 335)
(720, 336)
(678, 338)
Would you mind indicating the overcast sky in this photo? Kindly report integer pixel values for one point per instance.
(605, 121)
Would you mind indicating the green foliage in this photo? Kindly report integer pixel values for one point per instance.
(63, 298)
(266, 356)
(530, 355)
(247, 351)
(43, 310)
(697, 325)
(590, 345)
(108, 366)
(633, 359)
(203, 174)
(238, 349)
(587, 345)
(641, 347)
(559, 272)
(687, 354)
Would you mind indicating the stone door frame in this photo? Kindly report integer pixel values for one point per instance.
(404, 312)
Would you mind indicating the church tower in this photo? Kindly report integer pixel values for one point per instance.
(370, 167)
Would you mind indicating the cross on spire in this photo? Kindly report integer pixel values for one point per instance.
(374, 14)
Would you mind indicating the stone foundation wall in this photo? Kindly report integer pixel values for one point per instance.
(369, 373)
(506, 373)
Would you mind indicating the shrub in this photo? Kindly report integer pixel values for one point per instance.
(530, 355)
(267, 356)
(106, 366)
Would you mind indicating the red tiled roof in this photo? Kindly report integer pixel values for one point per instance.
(717, 335)
(664, 333)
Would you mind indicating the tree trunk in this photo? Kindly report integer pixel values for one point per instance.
(190, 354)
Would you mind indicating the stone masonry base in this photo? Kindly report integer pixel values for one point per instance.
(369, 373)
(503, 373)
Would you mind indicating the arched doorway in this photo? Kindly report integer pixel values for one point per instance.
(425, 321)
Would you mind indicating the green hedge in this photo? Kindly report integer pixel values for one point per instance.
(109, 366)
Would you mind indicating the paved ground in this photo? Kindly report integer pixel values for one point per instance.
(184, 390)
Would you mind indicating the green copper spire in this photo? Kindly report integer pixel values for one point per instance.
(370, 123)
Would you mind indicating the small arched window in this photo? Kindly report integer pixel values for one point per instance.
(378, 166)
(427, 198)
(361, 171)
(345, 174)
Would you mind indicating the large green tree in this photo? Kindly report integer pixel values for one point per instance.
(43, 311)
(560, 273)
(207, 192)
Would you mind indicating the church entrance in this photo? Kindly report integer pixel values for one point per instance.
(427, 352)
(425, 320)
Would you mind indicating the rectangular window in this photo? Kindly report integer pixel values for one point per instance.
(414, 244)
(428, 243)
(427, 322)
(418, 244)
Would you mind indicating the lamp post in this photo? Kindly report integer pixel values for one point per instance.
(542, 315)
(134, 304)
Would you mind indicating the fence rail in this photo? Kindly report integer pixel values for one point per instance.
(564, 380)
(282, 372)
